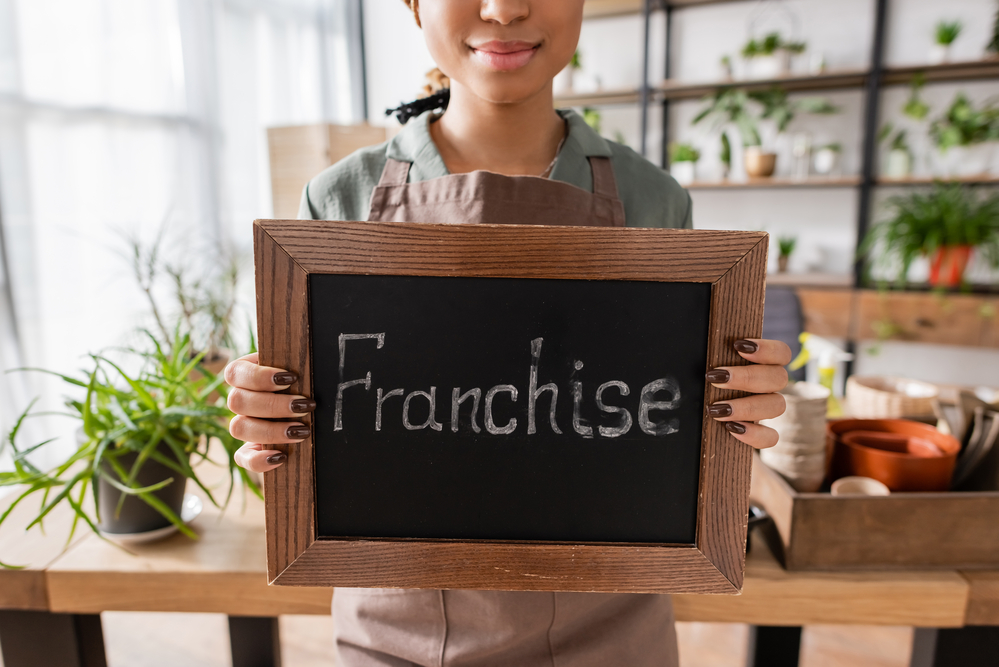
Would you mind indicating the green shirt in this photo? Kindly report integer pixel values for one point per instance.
(651, 197)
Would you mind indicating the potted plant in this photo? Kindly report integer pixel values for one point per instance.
(683, 162)
(564, 79)
(140, 431)
(992, 48)
(826, 158)
(899, 162)
(945, 225)
(944, 35)
(786, 245)
(770, 57)
(965, 136)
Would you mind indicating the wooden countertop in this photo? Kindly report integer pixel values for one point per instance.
(224, 572)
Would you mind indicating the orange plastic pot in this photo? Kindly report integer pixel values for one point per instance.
(948, 264)
(901, 454)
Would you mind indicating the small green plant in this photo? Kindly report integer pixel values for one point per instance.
(923, 223)
(683, 153)
(593, 118)
(835, 147)
(897, 140)
(165, 406)
(726, 152)
(771, 44)
(786, 245)
(781, 109)
(576, 62)
(964, 125)
(915, 107)
(993, 45)
(946, 32)
(745, 110)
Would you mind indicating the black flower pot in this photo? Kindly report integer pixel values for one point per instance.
(137, 516)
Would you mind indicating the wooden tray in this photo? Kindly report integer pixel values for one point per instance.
(818, 531)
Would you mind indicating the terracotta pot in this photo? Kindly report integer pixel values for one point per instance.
(948, 264)
(757, 163)
(903, 455)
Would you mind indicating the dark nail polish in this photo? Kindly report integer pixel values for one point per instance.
(735, 427)
(720, 410)
(284, 378)
(745, 346)
(300, 432)
(718, 376)
(300, 405)
(277, 458)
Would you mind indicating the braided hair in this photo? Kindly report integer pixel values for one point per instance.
(414, 6)
(435, 96)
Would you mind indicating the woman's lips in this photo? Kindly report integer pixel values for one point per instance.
(505, 56)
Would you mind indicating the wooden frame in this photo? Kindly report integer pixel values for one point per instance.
(734, 263)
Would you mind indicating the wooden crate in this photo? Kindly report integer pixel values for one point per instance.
(300, 152)
(818, 531)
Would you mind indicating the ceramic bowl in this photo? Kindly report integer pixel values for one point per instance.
(858, 486)
(903, 455)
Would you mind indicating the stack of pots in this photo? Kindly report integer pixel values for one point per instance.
(801, 455)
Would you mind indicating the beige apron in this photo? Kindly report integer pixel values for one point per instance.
(458, 628)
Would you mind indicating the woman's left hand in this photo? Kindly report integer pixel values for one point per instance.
(766, 377)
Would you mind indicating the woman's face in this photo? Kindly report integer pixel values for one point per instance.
(505, 51)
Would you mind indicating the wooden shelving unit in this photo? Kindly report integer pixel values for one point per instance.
(812, 182)
(600, 98)
(984, 179)
(600, 8)
(680, 90)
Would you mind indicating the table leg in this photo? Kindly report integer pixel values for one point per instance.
(773, 646)
(970, 646)
(33, 638)
(255, 641)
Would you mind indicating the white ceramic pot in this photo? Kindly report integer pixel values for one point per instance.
(973, 160)
(825, 161)
(899, 164)
(801, 454)
(770, 67)
(562, 84)
(939, 53)
(684, 172)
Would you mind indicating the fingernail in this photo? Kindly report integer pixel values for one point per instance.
(745, 346)
(300, 405)
(718, 376)
(299, 431)
(718, 410)
(284, 378)
(735, 427)
(280, 457)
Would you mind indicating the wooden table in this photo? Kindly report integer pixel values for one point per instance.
(61, 596)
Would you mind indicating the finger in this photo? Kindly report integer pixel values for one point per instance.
(754, 379)
(749, 409)
(754, 435)
(255, 457)
(268, 405)
(763, 351)
(245, 373)
(249, 429)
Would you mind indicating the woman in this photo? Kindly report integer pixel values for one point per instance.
(499, 144)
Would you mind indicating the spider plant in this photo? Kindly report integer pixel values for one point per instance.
(162, 413)
(929, 223)
(946, 32)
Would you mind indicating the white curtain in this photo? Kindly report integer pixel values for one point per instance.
(125, 117)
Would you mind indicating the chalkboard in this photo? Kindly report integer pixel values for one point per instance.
(505, 407)
(507, 468)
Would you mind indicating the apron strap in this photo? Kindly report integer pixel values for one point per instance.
(603, 176)
(396, 172)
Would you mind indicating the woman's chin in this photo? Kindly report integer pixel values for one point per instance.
(508, 93)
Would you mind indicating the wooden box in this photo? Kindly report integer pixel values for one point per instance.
(298, 153)
(819, 531)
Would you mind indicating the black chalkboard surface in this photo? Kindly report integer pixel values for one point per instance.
(435, 352)
(617, 461)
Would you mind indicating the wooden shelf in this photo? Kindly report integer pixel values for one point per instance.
(884, 181)
(599, 98)
(813, 182)
(966, 71)
(679, 90)
(837, 280)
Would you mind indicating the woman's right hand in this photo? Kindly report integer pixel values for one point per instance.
(255, 401)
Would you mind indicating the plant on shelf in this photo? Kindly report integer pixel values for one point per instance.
(945, 225)
(915, 108)
(963, 133)
(565, 80)
(683, 159)
(899, 164)
(139, 432)
(785, 245)
(826, 158)
(993, 46)
(593, 118)
(944, 34)
(771, 55)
